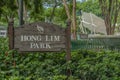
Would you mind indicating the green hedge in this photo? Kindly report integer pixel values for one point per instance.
(84, 65)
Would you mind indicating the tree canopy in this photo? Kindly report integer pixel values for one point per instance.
(54, 11)
(110, 10)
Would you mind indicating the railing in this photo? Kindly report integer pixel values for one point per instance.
(111, 43)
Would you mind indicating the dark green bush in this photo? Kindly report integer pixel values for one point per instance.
(84, 65)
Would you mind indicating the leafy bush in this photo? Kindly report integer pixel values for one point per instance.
(84, 65)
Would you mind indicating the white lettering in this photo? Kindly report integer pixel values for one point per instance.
(34, 45)
(56, 38)
(40, 45)
(48, 46)
(22, 38)
(52, 38)
(31, 38)
(46, 37)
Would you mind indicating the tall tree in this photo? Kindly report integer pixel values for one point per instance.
(110, 10)
(73, 18)
(56, 3)
(37, 11)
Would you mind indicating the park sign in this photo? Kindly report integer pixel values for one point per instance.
(40, 37)
(37, 37)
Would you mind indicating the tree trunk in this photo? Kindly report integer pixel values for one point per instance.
(20, 12)
(73, 24)
(110, 13)
(53, 11)
(74, 19)
(25, 12)
(109, 28)
(113, 30)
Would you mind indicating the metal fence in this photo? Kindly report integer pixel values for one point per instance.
(105, 43)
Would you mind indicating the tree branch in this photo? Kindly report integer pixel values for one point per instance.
(66, 9)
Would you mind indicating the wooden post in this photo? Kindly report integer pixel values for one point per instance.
(68, 45)
(21, 12)
(11, 34)
(11, 38)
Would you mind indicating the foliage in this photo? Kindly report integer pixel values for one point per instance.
(90, 6)
(85, 65)
(110, 10)
(8, 11)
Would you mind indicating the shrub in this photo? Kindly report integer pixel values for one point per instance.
(84, 65)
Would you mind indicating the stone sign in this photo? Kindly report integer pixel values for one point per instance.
(38, 37)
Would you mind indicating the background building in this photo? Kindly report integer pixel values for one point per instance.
(3, 31)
